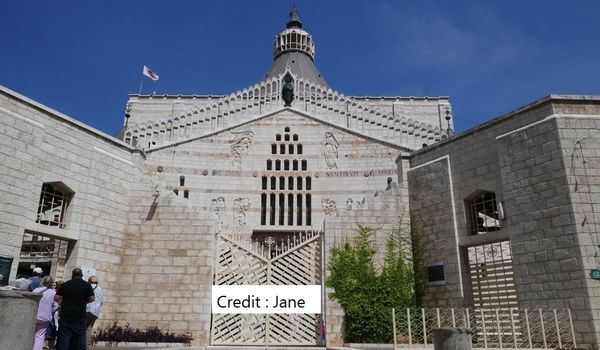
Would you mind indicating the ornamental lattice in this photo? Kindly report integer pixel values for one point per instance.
(294, 261)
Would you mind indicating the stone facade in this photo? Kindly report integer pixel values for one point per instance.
(145, 208)
(542, 164)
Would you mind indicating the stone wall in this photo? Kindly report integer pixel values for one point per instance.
(530, 159)
(40, 145)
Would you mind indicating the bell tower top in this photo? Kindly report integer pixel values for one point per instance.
(294, 38)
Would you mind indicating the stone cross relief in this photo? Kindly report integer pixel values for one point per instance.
(330, 150)
(240, 146)
(329, 207)
(217, 206)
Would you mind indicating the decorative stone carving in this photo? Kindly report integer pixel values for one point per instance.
(217, 205)
(361, 204)
(240, 146)
(349, 202)
(241, 206)
(330, 150)
(329, 207)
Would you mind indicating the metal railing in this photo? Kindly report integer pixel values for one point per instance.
(491, 328)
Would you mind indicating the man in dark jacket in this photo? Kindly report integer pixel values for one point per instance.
(73, 296)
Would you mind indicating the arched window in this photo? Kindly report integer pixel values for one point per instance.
(286, 137)
(291, 149)
(182, 180)
(290, 183)
(282, 149)
(308, 183)
(295, 164)
(272, 209)
(186, 194)
(299, 209)
(295, 137)
(263, 209)
(484, 212)
(286, 129)
(299, 149)
(269, 164)
(286, 165)
(278, 137)
(277, 165)
(273, 149)
(299, 183)
(264, 182)
(304, 165)
(273, 182)
(290, 209)
(281, 209)
(281, 183)
(308, 210)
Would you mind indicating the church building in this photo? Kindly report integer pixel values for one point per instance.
(255, 187)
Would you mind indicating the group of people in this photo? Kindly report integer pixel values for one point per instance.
(78, 304)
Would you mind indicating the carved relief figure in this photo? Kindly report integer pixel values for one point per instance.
(240, 146)
(217, 205)
(349, 202)
(241, 206)
(330, 150)
(361, 204)
(329, 207)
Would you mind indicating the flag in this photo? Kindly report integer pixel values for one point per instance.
(150, 74)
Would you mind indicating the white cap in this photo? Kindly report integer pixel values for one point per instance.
(38, 270)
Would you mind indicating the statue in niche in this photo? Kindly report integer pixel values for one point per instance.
(330, 150)
(217, 205)
(240, 146)
(287, 91)
(241, 206)
(329, 207)
(349, 202)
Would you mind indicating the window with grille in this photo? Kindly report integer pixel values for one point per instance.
(285, 198)
(54, 202)
(483, 213)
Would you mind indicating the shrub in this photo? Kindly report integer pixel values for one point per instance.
(127, 334)
(368, 293)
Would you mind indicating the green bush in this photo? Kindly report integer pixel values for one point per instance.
(368, 293)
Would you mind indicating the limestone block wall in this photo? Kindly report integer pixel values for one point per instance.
(40, 145)
(526, 158)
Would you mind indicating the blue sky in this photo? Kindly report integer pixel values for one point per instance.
(83, 58)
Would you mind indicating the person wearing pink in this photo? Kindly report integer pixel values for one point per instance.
(46, 308)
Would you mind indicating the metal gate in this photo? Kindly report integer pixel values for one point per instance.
(295, 260)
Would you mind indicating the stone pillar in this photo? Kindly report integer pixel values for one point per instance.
(452, 339)
(17, 319)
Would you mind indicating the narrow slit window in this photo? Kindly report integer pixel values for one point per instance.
(277, 165)
(272, 209)
(186, 194)
(269, 164)
(308, 183)
(281, 209)
(291, 149)
(299, 183)
(299, 149)
(304, 165)
(264, 182)
(273, 182)
(278, 137)
(282, 183)
(182, 180)
(290, 209)
(290, 183)
(286, 165)
(295, 137)
(286, 137)
(299, 209)
(282, 149)
(273, 149)
(308, 210)
(295, 165)
(263, 209)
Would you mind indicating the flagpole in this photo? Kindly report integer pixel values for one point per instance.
(141, 83)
